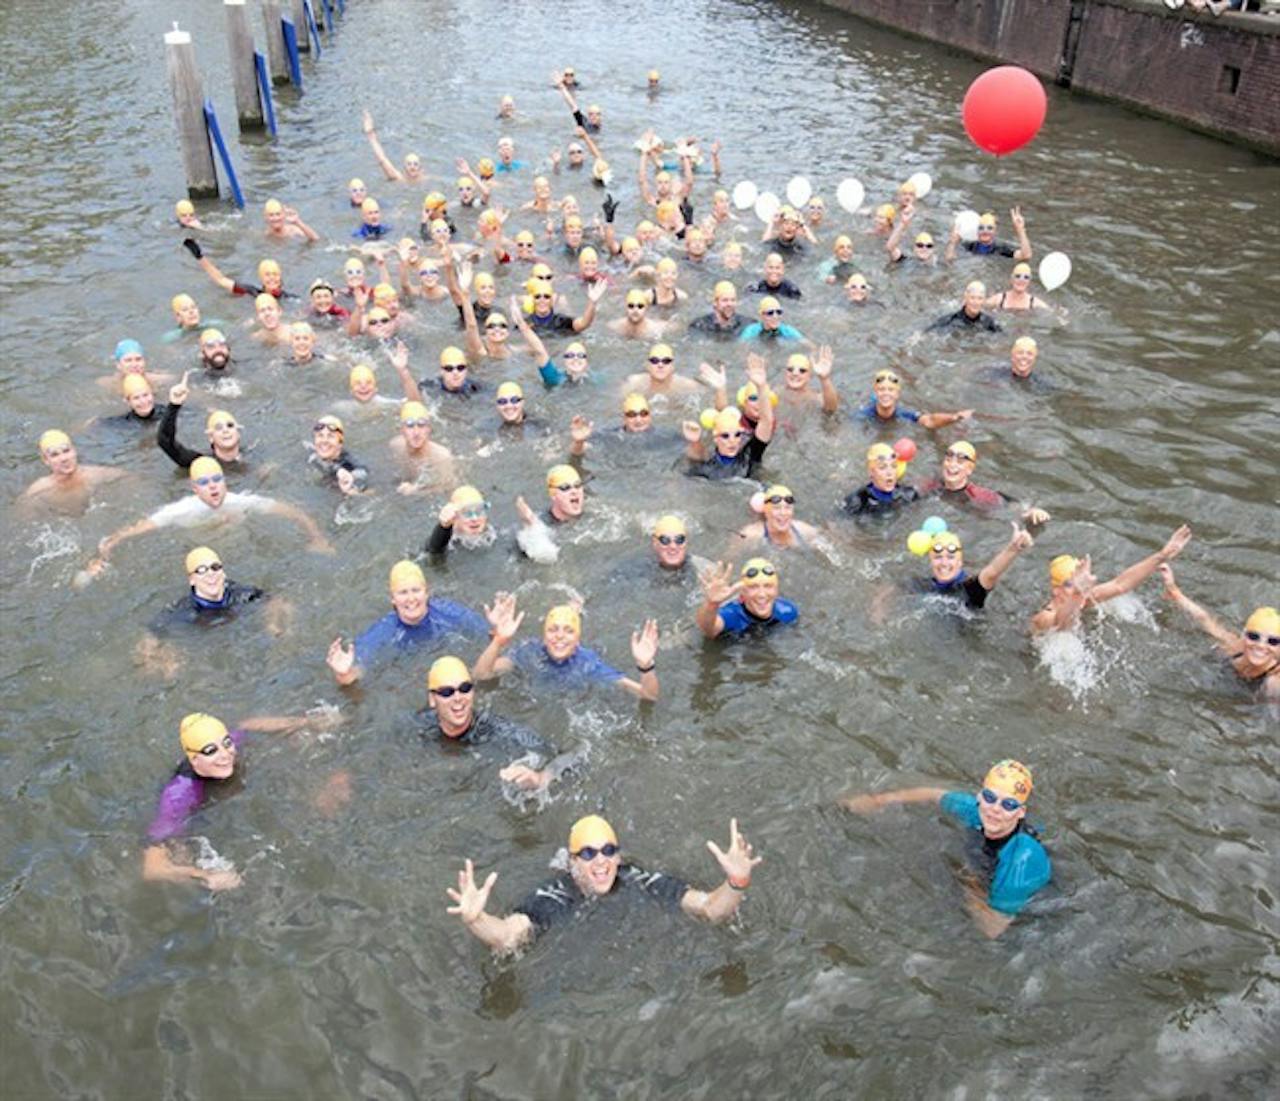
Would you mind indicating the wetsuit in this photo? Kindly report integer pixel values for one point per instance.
(243, 289)
(558, 899)
(995, 248)
(464, 391)
(193, 609)
(496, 733)
(583, 667)
(967, 589)
(868, 499)
(784, 288)
(899, 413)
(514, 166)
(182, 796)
(841, 269)
(757, 331)
(588, 126)
(333, 313)
(132, 420)
(482, 315)
(443, 617)
(978, 495)
(737, 619)
(366, 232)
(551, 323)
(1016, 866)
(962, 320)
(712, 325)
(167, 441)
(793, 247)
(344, 461)
(742, 465)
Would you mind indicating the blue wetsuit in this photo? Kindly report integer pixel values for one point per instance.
(737, 619)
(1016, 866)
(584, 666)
(443, 617)
(757, 331)
(899, 413)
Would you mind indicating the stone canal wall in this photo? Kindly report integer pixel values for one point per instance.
(1217, 74)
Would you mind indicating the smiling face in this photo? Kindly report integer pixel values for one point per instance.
(886, 388)
(454, 706)
(142, 402)
(946, 558)
(729, 441)
(327, 442)
(561, 638)
(61, 459)
(797, 372)
(219, 764)
(453, 373)
(131, 363)
(987, 229)
(595, 877)
(215, 353)
(209, 580)
(957, 466)
(774, 269)
(660, 364)
(510, 407)
(974, 295)
(187, 314)
(759, 592)
(409, 598)
(302, 341)
(1023, 357)
(269, 314)
(779, 511)
(857, 289)
(223, 432)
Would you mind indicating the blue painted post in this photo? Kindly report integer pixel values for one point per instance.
(215, 132)
(291, 48)
(342, 7)
(264, 90)
(311, 24)
(328, 15)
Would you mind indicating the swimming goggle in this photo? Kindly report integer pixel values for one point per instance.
(575, 355)
(1257, 636)
(208, 567)
(453, 366)
(212, 748)
(590, 852)
(770, 313)
(669, 540)
(887, 376)
(730, 435)
(665, 361)
(949, 454)
(448, 690)
(416, 422)
(567, 486)
(946, 548)
(219, 426)
(510, 401)
(780, 499)
(757, 571)
(210, 479)
(1009, 804)
(632, 414)
(321, 428)
(476, 512)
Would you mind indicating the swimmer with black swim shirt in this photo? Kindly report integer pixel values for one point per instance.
(758, 604)
(596, 871)
(956, 483)
(329, 455)
(970, 315)
(986, 243)
(464, 516)
(1008, 864)
(724, 319)
(220, 428)
(1254, 651)
(559, 656)
(883, 493)
(949, 578)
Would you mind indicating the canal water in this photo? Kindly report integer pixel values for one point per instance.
(1149, 967)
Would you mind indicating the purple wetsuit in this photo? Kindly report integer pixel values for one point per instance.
(182, 797)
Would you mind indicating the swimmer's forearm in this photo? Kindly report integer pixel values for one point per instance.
(159, 867)
(1204, 619)
(715, 906)
(877, 800)
(501, 934)
(830, 396)
(273, 724)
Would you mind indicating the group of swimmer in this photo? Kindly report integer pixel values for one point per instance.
(464, 251)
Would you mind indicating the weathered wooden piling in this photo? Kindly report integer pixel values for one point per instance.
(188, 115)
(277, 58)
(243, 74)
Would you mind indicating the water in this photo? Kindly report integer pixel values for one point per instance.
(1148, 969)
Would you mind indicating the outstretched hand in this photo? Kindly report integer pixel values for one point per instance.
(717, 583)
(504, 620)
(823, 361)
(644, 643)
(471, 900)
(715, 377)
(1177, 541)
(738, 860)
(1021, 539)
(341, 659)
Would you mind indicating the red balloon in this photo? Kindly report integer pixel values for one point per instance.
(905, 449)
(1004, 109)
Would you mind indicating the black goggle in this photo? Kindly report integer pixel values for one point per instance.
(449, 689)
(208, 567)
(590, 852)
(212, 748)
(758, 571)
(669, 540)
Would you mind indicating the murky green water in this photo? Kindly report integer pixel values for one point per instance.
(1148, 969)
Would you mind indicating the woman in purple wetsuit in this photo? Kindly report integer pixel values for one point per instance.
(211, 752)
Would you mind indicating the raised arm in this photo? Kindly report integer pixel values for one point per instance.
(1228, 641)
(293, 218)
(384, 162)
(757, 373)
(167, 433)
(991, 573)
(110, 542)
(316, 539)
(822, 364)
(1129, 579)
(644, 649)
(208, 266)
(893, 245)
(399, 356)
(500, 934)
(595, 292)
(504, 622)
(941, 420)
(874, 801)
(1023, 251)
(737, 862)
(717, 587)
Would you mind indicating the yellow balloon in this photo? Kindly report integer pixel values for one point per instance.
(902, 467)
(919, 542)
(707, 419)
(528, 303)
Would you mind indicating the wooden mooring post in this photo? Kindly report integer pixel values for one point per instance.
(243, 74)
(188, 115)
(277, 59)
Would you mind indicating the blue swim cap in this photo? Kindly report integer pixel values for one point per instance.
(128, 347)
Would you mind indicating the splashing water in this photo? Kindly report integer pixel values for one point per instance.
(52, 542)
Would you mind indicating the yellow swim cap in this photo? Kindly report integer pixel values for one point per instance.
(181, 302)
(666, 264)
(843, 239)
(723, 289)
(573, 220)
(666, 209)
(273, 206)
(384, 293)
(489, 220)
(355, 184)
(908, 187)
(630, 244)
(1011, 779)
(1025, 344)
(452, 356)
(645, 226)
(466, 495)
(201, 556)
(759, 567)
(438, 224)
(413, 410)
(561, 474)
(485, 167)
(964, 447)
(989, 216)
(541, 286)
(887, 212)
(776, 491)
(133, 384)
(661, 351)
(406, 573)
(563, 615)
(576, 346)
(524, 237)
(653, 76)
(749, 391)
(1266, 621)
(727, 420)
(670, 525)
(204, 467)
(268, 267)
(332, 422)
(265, 299)
(768, 302)
(483, 281)
(184, 208)
(447, 670)
(361, 373)
(370, 206)
(54, 437)
(541, 271)
(433, 200)
(1022, 268)
(1061, 569)
(878, 451)
(924, 238)
(636, 296)
(592, 831)
(589, 253)
(510, 390)
(198, 730)
(215, 416)
(377, 314)
(467, 181)
(798, 359)
(635, 403)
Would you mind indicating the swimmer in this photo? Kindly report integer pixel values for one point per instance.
(210, 502)
(186, 314)
(211, 752)
(697, 245)
(284, 223)
(272, 330)
(414, 445)
(214, 351)
(1254, 651)
(882, 220)
(637, 417)
(140, 402)
(886, 387)
(371, 227)
(453, 379)
(574, 356)
(857, 291)
(269, 274)
(738, 447)
(357, 192)
(596, 870)
(665, 294)
(731, 257)
(770, 327)
(302, 344)
(1074, 588)
(567, 498)
(130, 360)
(221, 429)
(779, 526)
(774, 281)
(987, 245)
(948, 576)
(354, 278)
(786, 230)
(323, 307)
(450, 718)
(412, 171)
(797, 393)
(465, 514)
(506, 160)
(922, 250)
(542, 202)
(670, 542)
(428, 286)
(545, 319)
(416, 619)
(815, 213)
(184, 212)
(724, 320)
(68, 483)
(637, 324)
(841, 265)
(956, 483)
(970, 315)
(883, 492)
(329, 455)
(559, 656)
(660, 376)
(506, 108)
(1010, 865)
(1022, 357)
(1018, 297)
(757, 605)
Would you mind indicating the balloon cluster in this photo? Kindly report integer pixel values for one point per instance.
(905, 450)
(919, 542)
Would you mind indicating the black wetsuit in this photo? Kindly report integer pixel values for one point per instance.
(868, 499)
(558, 899)
(784, 289)
(191, 609)
(743, 465)
(968, 590)
(961, 320)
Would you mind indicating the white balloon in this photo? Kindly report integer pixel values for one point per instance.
(1055, 269)
(967, 225)
(850, 194)
(922, 182)
(744, 195)
(798, 191)
(767, 205)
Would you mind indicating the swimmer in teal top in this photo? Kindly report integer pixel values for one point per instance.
(1008, 864)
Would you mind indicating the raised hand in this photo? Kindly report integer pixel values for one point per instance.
(692, 431)
(823, 361)
(644, 644)
(524, 511)
(179, 391)
(1021, 539)
(193, 247)
(718, 584)
(580, 429)
(738, 860)
(1015, 216)
(555, 158)
(597, 290)
(341, 659)
(399, 355)
(524, 777)
(504, 620)
(471, 900)
(757, 372)
(715, 377)
(609, 206)
(448, 513)
(1177, 541)
(1166, 575)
